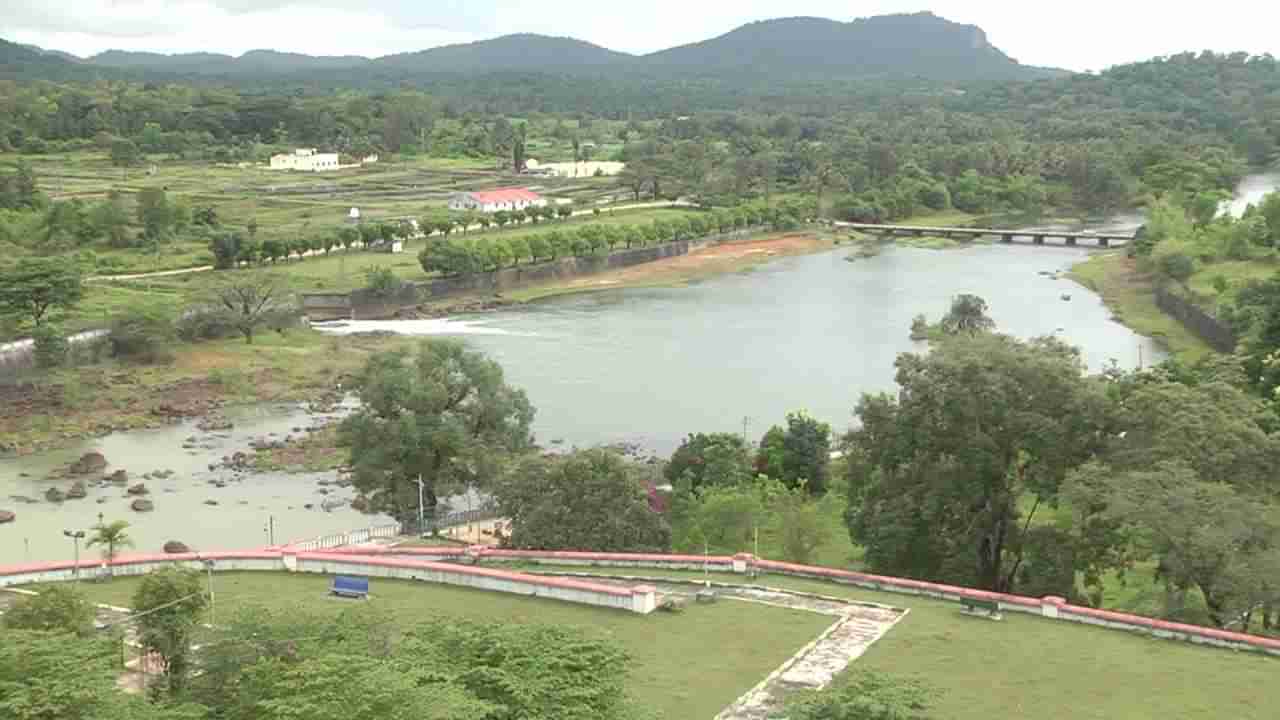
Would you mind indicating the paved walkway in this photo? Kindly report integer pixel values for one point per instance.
(856, 627)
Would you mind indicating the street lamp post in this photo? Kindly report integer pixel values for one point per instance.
(422, 518)
(75, 538)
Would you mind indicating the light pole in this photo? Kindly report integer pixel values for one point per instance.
(213, 607)
(422, 518)
(75, 538)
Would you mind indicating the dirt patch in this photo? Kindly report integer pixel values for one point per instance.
(710, 260)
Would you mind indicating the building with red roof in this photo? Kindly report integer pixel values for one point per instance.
(491, 201)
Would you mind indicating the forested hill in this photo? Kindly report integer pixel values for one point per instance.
(921, 46)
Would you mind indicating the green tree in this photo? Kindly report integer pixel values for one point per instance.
(519, 247)
(57, 608)
(445, 416)
(945, 479)
(709, 459)
(35, 289)
(155, 213)
(564, 211)
(110, 220)
(124, 153)
(502, 217)
(798, 454)
(968, 315)
(169, 604)
(111, 537)
(586, 500)
(539, 248)
(226, 248)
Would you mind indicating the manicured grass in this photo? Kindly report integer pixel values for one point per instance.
(1129, 295)
(686, 665)
(1029, 667)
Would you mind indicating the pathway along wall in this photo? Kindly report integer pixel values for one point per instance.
(457, 566)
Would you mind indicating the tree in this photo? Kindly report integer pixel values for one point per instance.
(445, 416)
(247, 300)
(502, 217)
(587, 500)
(57, 608)
(968, 315)
(169, 603)
(124, 153)
(564, 211)
(519, 247)
(111, 536)
(539, 248)
(941, 477)
(155, 214)
(709, 459)
(799, 454)
(35, 289)
(110, 220)
(226, 248)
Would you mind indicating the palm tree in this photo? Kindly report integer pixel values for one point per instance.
(111, 537)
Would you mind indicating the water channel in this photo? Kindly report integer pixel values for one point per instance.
(644, 366)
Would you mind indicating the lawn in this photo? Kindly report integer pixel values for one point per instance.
(1129, 295)
(1028, 667)
(687, 665)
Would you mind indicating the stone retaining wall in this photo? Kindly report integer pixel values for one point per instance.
(1207, 327)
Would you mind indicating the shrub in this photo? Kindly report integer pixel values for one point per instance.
(145, 336)
(1176, 265)
(51, 346)
(382, 282)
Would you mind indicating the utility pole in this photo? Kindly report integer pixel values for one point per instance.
(745, 421)
(75, 538)
(213, 608)
(270, 529)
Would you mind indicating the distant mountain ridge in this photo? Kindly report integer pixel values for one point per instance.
(917, 44)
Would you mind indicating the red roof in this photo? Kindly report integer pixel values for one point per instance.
(506, 195)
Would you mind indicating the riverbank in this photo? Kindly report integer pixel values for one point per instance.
(46, 410)
(705, 262)
(1130, 295)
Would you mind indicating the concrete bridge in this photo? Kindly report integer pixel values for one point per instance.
(1071, 237)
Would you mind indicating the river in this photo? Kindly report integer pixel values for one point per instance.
(643, 366)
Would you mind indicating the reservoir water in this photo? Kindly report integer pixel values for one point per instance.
(643, 366)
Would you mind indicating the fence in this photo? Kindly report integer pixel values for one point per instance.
(365, 535)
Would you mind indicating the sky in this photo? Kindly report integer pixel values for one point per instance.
(1078, 35)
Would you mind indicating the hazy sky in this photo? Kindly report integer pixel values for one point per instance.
(1080, 34)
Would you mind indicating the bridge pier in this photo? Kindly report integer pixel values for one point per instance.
(1006, 238)
(919, 233)
(1071, 240)
(1104, 242)
(1037, 239)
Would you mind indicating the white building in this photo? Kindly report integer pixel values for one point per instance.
(491, 201)
(305, 160)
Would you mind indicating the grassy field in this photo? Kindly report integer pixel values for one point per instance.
(686, 665)
(1128, 293)
(1027, 667)
(285, 204)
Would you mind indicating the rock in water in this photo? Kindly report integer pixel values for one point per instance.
(54, 495)
(77, 491)
(142, 505)
(90, 462)
(119, 477)
(7, 516)
(173, 547)
(139, 489)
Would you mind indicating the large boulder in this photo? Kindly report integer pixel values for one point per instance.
(7, 516)
(54, 495)
(360, 503)
(142, 505)
(139, 489)
(174, 547)
(119, 477)
(90, 462)
(77, 491)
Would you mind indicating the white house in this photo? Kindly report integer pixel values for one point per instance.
(305, 160)
(491, 201)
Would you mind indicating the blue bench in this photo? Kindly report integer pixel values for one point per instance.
(350, 586)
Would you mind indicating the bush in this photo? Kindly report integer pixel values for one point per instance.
(382, 282)
(51, 346)
(1176, 265)
(145, 336)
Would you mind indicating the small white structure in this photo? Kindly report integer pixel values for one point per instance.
(369, 159)
(574, 170)
(305, 160)
(354, 215)
(491, 201)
